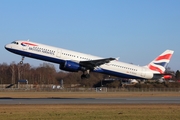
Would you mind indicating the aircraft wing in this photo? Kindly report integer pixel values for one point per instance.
(93, 63)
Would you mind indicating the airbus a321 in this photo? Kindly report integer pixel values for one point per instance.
(75, 61)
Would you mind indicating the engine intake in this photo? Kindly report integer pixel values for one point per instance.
(70, 66)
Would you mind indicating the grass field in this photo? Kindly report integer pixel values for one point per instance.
(89, 112)
(86, 94)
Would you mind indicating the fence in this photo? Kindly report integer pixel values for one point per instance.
(54, 88)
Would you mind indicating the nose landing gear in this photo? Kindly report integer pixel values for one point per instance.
(21, 62)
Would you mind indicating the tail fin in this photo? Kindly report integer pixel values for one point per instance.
(159, 64)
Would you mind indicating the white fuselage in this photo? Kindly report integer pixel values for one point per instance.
(58, 55)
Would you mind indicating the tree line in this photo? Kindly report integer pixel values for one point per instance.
(46, 73)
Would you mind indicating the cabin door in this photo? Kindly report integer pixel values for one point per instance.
(24, 47)
(58, 53)
(143, 72)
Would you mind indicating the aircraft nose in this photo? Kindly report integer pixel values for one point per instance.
(7, 46)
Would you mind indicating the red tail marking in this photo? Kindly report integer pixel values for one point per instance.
(155, 69)
(167, 56)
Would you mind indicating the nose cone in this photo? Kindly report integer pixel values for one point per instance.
(7, 47)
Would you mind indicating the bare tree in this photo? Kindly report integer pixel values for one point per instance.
(13, 75)
(177, 75)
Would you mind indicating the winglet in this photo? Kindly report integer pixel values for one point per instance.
(117, 58)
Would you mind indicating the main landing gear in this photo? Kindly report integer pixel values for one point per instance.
(85, 74)
(21, 62)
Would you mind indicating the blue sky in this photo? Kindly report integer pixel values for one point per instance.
(137, 31)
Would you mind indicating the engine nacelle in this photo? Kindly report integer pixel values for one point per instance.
(70, 66)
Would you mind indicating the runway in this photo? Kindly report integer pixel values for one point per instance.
(123, 100)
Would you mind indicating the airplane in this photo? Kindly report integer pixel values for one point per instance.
(75, 61)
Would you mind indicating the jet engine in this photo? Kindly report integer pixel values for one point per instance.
(70, 66)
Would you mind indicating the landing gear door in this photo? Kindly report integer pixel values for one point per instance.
(58, 53)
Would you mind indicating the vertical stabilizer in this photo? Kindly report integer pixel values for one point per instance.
(159, 64)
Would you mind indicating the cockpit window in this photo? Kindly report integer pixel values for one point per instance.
(14, 42)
